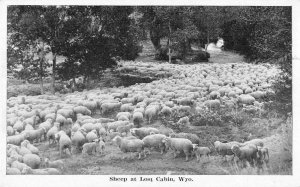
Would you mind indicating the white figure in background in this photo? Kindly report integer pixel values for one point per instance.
(215, 48)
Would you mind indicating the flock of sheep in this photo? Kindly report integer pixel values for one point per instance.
(66, 120)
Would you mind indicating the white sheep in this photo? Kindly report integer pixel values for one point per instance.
(44, 171)
(51, 133)
(12, 171)
(91, 136)
(78, 138)
(130, 145)
(116, 124)
(200, 151)
(64, 142)
(101, 147)
(107, 107)
(15, 139)
(67, 113)
(151, 113)
(155, 141)
(246, 99)
(246, 153)
(225, 148)
(179, 144)
(54, 164)
(82, 110)
(30, 147)
(125, 129)
(90, 147)
(143, 131)
(32, 160)
(137, 118)
(10, 131)
(37, 134)
(257, 142)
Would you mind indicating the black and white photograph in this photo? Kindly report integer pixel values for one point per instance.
(148, 90)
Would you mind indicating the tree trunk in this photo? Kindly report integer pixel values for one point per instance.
(207, 42)
(169, 46)
(73, 87)
(53, 74)
(155, 39)
(41, 76)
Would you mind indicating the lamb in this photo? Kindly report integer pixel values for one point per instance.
(246, 153)
(200, 151)
(257, 142)
(64, 142)
(30, 147)
(91, 136)
(125, 129)
(154, 140)
(54, 164)
(90, 147)
(32, 160)
(225, 148)
(179, 144)
(82, 110)
(137, 118)
(15, 139)
(131, 145)
(143, 131)
(78, 139)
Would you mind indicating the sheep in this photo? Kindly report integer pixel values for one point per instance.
(125, 129)
(32, 160)
(90, 147)
(200, 151)
(112, 135)
(10, 131)
(60, 119)
(154, 140)
(143, 131)
(46, 125)
(137, 118)
(262, 153)
(30, 147)
(91, 105)
(245, 153)
(15, 139)
(64, 142)
(14, 154)
(32, 120)
(116, 124)
(246, 99)
(37, 134)
(127, 114)
(151, 112)
(105, 120)
(126, 107)
(179, 144)
(20, 166)
(78, 138)
(19, 125)
(91, 135)
(184, 101)
(50, 116)
(51, 133)
(257, 142)
(213, 104)
(28, 127)
(101, 147)
(190, 136)
(44, 171)
(225, 148)
(54, 164)
(166, 111)
(131, 145)
(184, 121)
(67, 113)
(107, 107)
(82, 110)
(12, 171)
(123, 118)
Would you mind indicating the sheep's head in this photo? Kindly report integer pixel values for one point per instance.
(195, 146)
(235, 149)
